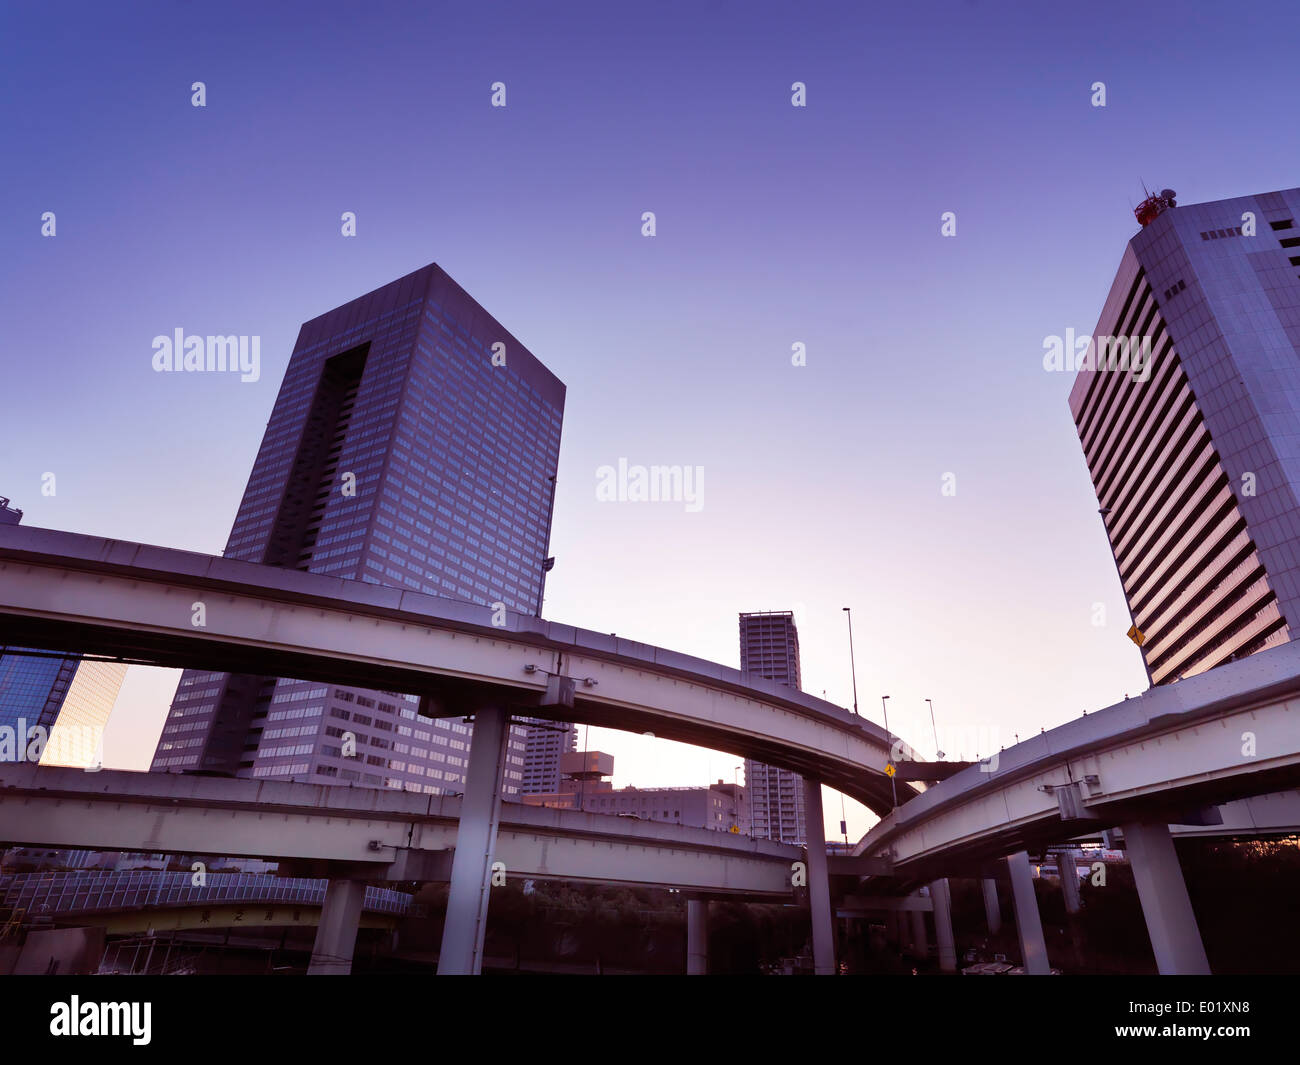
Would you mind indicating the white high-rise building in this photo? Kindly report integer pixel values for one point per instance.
(544, 743)
(1194, 448)
(769, 647)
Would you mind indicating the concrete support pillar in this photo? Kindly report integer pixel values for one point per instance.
(819, 886)
(1029, 925)
(476, 839)
(1068, 866)
(920, 940)
(942, 899)
(697, 937)
(992, 907)
(1171, 924)
(336, 935)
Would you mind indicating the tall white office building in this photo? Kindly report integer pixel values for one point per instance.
(1194, 450)
(769, 647)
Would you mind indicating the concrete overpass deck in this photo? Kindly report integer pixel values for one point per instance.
(1227, 735)
(372, 834)
(67, 591)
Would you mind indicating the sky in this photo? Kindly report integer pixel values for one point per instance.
(775, 225)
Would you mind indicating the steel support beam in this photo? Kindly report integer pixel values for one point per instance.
(476, 838)
(1171, 924)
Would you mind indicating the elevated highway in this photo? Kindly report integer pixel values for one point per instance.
(1218, 753)
(1175, 755)
(372, 834)
(1230, 734)
(67, 591)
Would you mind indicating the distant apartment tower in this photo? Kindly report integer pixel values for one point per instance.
(547, 744)
(1195, 459)
(769, 647)
(68, 698)
(414, 444)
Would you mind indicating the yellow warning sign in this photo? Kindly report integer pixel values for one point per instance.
(1137, 636)
(889, 769)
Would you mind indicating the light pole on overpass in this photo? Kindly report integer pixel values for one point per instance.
(938, 754)
(853, 666)
(548, 561)
(893, 783)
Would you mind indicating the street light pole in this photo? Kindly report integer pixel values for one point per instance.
(548, 561)
(853, 666)
(735, 798)
(938, 754)
(893, 783)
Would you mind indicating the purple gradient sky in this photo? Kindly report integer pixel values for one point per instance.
(775, 225)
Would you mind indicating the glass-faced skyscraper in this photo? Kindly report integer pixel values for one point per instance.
(1195, 456)
(32, 682)
(33, 685)
(69, 698)
(413, 443)
(769, 647)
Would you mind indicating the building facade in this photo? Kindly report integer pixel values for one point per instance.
(33, 686)
(545, 745)
(77, 737)
(414, 444)
(769, 647)
(718, 807)
(584, 785)
(1194, 451)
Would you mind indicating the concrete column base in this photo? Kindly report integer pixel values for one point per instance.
(941, 897)
(819, 885)
(1029, 925)
(336, 935)
(476, 839)
(920, 938)
(1067, 866)
(1171, 924)
(992, 906)
(697, 937)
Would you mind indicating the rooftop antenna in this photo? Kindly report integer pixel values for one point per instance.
(1154, 205)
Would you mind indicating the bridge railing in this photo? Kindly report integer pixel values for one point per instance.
(91, 890)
